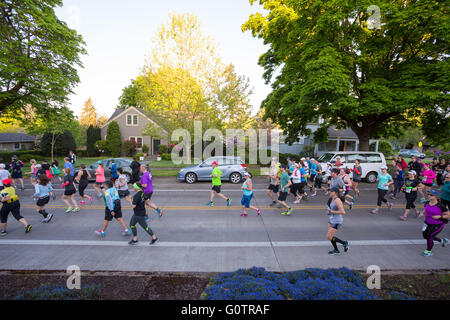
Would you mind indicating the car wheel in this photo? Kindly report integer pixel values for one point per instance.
(235, 177)
(190, 177)
(371, 177)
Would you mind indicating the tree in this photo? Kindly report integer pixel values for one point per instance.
(58, 144)
(88, 114)
(114, 139)
(39, 55)
(326, 61)
(93, 135)
(101, 120)
(78, 132)
(129, 96)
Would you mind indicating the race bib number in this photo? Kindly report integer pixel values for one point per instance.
(424, 179)
(408, 190)
(424, 227)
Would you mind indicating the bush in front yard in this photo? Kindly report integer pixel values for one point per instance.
(114, 139)
(52, 292)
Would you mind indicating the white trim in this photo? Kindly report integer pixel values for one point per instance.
(136, 137)
(132, 120)
(14, 146)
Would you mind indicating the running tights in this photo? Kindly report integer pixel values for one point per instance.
(141, 220)
(381, 197)
(430, 234)
(335, 240)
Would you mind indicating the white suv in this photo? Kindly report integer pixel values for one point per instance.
(371, 162)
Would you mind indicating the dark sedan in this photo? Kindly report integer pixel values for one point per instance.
(123, 163)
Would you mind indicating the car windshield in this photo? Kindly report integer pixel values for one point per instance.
(326, 157)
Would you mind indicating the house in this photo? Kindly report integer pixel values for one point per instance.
(16, 141)
(338, 140)
(132, 121)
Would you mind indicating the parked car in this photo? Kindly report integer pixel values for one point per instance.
(408, 153)
(233, 170)
(371, 162)
(123, 163)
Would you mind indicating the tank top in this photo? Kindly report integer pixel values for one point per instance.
(247, 192)
(84, 177)
(335, 218)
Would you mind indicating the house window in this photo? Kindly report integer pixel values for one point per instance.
(138, 140)
(132, 120)
(16, 146)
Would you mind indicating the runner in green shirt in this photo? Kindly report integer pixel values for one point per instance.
(217, 184)
(285, 182)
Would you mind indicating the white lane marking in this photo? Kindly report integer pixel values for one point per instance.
(208, 244)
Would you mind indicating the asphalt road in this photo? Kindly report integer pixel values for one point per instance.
(197, 238)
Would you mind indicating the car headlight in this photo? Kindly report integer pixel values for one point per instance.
(183, 170)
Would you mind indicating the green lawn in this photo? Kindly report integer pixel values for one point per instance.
(166, 164)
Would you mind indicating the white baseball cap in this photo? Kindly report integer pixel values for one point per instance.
(413, 172)
(383, 167)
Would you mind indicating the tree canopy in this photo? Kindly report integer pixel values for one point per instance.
(38, 56)
(327, 61)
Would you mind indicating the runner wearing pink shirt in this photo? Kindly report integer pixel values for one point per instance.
(428, 177)
(99, 178)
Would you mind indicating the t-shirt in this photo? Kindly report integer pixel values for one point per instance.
(139, 202)
(284, 180)
(274, 172)
(411, 184)
(302, 172)
(313, 169)
(296, 176)
(70, 186)
(100, 177)
(216, 180)
(4, 174)
(383, 180)
(147, 179)
(69, 165)
(337, 183)
(357, 172)
(11, 192)
(435, 210)
(114, 174)
(120, 180)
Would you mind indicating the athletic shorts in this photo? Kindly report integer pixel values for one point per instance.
(246, 200)
(427, 184)
(282, 196)
(216, 188)
(274, 188)
(318, 182)
(13, 207)
(16, 175)
(335, 226)
(117, 212)
(147, 196)
(43, 201)
(312, 178)
(123, 193)
(69, 192)
(358, 180)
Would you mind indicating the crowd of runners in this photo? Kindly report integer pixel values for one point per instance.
(429, 181)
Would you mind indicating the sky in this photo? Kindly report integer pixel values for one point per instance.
(119, 33)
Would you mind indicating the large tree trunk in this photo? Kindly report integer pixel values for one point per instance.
(364, 141)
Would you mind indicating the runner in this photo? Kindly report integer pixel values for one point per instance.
(357, 173)
(99, 179)
(82, 178)
(437, 216)
(46, 168)
(33, 172)
(412, 184)
(72, 158)
(247, 196)
(69, 191)
(56, 171)
(393, 171)
(113, 209)
(114, 175)
(384, 180)
(440, 172)
(402, 163)
(399, 181)
(296, 180)
(217, 184)
(445, 191)
(318, 179)
(312, 172)
(335, 211)
(11, 204)
(336, 181)
(345, 196)
(428, 177)
(42, 191)
(415, 166)
(68, 164)
(138, 205)
(273, 182)
(4, 174)
(285, 183)
(16, 167)
(338, 163)
(122, 186)
(147, 185)
(134, 170)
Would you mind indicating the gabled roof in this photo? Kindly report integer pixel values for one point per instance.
(16, 137)
(341, 133)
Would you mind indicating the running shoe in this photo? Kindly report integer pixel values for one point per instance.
(100, 233)
(296, 201)
(273, 204)
(133, 241)
(334, 251)
(346, 246)
(228, 202)
(389, 206)
(326, 193)
(160, 212)
(28, 228)
(126, 233)
(153, 241)
(90, 200)
(49, 217)
(147, 218)
(314, 195)
(82, 202)
(444, 242)
(288, 213)
(418, 213)
(427, 253)
(350, 205)
(210, 204)
(374, 211)
(393, 198)
(284, 213)
(69, 209)
(76, 209)
(258, 211)
(244, 215)
(403, 217)
(3, 233)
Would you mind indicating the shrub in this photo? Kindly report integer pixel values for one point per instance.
(63, 143)
(145, 149)
(102, 147)
(395, 295)
(114, 139)
(166, 156)
(383, 147)
(139, 155)
(162, 148)
(93, 135)
(129, 147)
(51, 292)
(308, 284)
